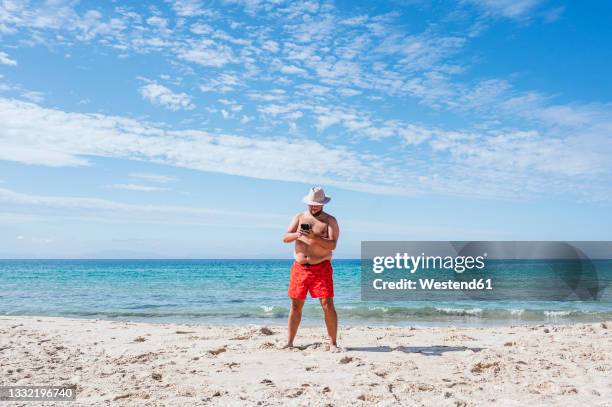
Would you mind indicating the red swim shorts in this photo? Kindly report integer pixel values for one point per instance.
(316, 278)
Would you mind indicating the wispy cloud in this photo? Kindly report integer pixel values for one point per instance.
(163, 96)
(105, 210)
(160, 178)
(487, 162)
(507, 8)
(225, 82)
(36, 135)
(6, 60)
(330, 84)
(190, 8)
(33, 96)
(207, 53)
(137, 187)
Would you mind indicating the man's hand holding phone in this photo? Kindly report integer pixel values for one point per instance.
(305, 230)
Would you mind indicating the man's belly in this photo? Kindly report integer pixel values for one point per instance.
(307, 253)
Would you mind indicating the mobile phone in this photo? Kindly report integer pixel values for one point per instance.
(304, 226)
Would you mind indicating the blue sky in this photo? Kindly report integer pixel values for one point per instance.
(193, 128)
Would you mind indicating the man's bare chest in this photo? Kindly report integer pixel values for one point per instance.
(318, 226)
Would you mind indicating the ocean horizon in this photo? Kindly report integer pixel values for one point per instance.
(248, 291)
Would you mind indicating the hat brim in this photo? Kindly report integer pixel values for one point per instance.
(309, 202)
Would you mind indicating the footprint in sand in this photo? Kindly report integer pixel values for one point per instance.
(266, 331)
(484, 366)
(267, 345)
(381, 373)
(243, 337)
(216, 352)
(267, 382)
(295, 393)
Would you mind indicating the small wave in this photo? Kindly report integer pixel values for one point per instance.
(352, 312)
(449, 313)
(460, 311)
(556, 314)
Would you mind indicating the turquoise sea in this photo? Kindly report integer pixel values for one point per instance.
(245, 292)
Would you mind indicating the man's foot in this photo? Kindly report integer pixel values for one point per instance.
(335, 348)
(288, 346)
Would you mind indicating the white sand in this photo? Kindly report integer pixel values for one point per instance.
(122, 363)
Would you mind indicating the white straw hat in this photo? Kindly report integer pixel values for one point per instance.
(316, 196)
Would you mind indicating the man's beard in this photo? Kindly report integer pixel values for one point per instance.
(317, 213)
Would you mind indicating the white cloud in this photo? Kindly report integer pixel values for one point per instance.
(48, 15)
(137, 187)
(33, 96)
(207, 53)
(224, 83)
(104, 210)
(349, 92)
(190, 8)
(421, 52)
(36, 135)
(271, 46)
(234, 107)
(312, 28)
(308, 89)
(160, 178)
(6, 60)
(292, 70)
(158, 22)
(275, 110)
(414, 135)
(91, 25)
(359, 20)
(352, 120)
(201, 28)
(507, 8)
(553, 14)
(162, 96)
(367, 55)
(340, 56)
(324, 121)
(273, 95)
(489, 163)
(294, 115)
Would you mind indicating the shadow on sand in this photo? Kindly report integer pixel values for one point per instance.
(424, 350)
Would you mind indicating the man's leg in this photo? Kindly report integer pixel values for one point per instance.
(295, 316)
(331, 320)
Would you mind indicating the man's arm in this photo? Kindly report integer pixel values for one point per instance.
(292, 234)
(329, 242)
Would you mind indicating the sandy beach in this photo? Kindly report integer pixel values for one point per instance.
(125, 363)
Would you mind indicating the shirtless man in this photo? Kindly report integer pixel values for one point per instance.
(315, 234)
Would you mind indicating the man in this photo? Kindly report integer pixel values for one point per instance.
(315, 234)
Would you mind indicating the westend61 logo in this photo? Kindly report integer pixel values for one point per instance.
(499, 270)
(404, 261)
